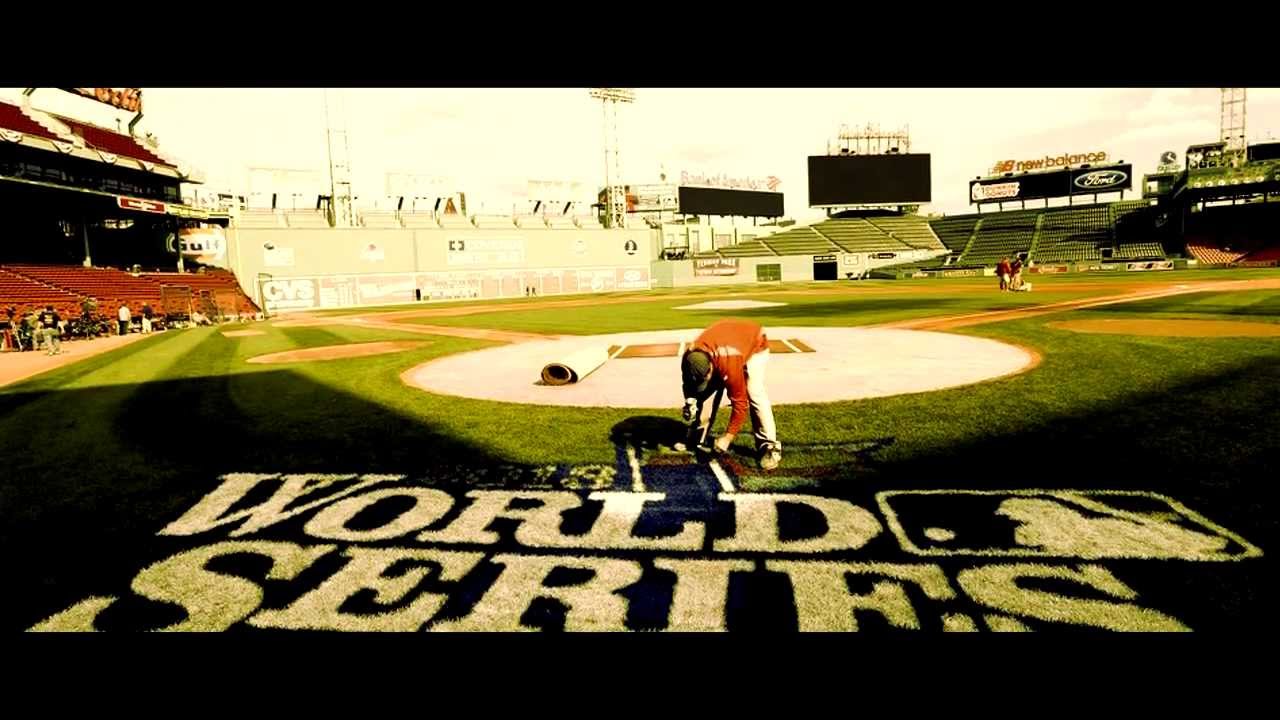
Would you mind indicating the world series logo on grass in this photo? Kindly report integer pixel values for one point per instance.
(567, 547)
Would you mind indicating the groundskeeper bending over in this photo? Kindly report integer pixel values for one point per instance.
(732, 355)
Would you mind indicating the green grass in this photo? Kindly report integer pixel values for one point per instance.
(98, 452)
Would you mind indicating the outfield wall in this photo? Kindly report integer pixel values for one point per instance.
(303, 269)
(789, 268)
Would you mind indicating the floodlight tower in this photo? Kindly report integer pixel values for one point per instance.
(1232, 117)
(615, 189)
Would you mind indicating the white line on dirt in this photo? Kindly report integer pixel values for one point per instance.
(794, 349)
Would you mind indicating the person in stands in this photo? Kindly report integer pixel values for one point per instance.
(125, 318)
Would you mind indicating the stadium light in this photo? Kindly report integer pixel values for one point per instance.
(615, 191)
(626, 95)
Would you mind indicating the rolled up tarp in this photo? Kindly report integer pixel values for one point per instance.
(575, 367)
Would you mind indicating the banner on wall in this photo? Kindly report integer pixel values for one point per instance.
(486, 251)
(205, 245)
(337, 291)
(385, 289)
(290, 294)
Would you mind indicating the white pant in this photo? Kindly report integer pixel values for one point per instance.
(146, 324)
(762, 425)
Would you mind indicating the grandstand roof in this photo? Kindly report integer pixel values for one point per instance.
(26, 126)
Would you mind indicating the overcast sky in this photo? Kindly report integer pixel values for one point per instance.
(490, 142)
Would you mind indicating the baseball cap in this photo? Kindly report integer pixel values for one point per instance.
(695, 366)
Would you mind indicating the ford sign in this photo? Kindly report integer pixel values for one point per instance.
(1102, 179)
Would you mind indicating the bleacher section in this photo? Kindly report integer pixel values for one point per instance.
(494, 221)
(1001, 235)
(260, 219)
(1073, 234)
(1138, 251)
(856, 235)
(27, 295)
(954, 232)
(216, 288)
(531, 221)
(1270, 254)
(454, 221)
(419, 220)
(794, 241)
(108, 287)
(561, 222)
(13, 118)
(1209, 252)
(112, 142)
(912, 230)
(377, 219)
(306, 219)
(754, 248)
(214, 292)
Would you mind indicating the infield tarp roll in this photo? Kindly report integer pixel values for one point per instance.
(575, 366)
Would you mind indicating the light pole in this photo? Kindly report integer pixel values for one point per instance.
(615, 190)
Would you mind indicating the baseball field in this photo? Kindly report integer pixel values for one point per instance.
(1094, 455)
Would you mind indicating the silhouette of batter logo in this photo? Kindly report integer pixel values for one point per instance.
(630, 247)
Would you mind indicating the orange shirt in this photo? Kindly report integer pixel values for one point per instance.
(730, 343)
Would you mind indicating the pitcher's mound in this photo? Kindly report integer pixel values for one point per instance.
(730, 305)
(336, 352)
(1170, 328)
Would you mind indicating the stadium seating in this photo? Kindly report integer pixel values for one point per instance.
(12, 117)
(1001, 235)
(1073, 234)
(260, 219)
(1210, 252)
(954, 232)
(912, 230)
(561, 222)
(857, 235)
(218, 286)
(754, 248)
(419, 220)
(794, 241)
(108, 287)
(1138, 251)
(27, 295)
(109, 141)
(493, 221)
(380, 219)
(531, 221)
(306, 219)
(1269, 254)
(454, 221)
